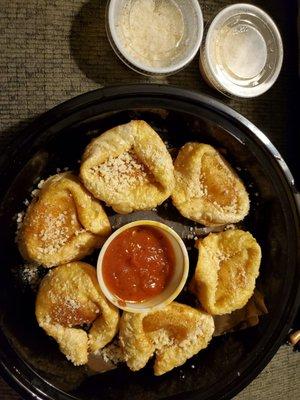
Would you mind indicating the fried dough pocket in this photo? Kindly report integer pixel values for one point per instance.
(207, 190)
(174, 334)
(226, 271)
(128, 167)
(68, 299)
(65, 223)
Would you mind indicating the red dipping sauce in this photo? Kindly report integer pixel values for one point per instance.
(138, 264)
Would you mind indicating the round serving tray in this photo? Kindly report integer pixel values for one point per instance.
(31, 362)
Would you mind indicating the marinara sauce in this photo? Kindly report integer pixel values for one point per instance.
(138, 264)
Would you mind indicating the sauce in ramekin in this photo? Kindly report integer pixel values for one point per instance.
(138, 264)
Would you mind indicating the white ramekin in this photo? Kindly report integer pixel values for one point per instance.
(174, 287)
(193, 22)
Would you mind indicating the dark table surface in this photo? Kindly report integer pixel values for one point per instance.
(54, 50)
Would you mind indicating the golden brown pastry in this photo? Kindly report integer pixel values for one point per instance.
(242, 318)
(64, 223)
(129, 168)
(207, 190)
(228, 265)
(174, 334)
(68, 298)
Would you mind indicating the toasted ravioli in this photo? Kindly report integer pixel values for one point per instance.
(64, 223)
(174, 334)
(129, 168)
(228, 265)
(69, 297)
(207, 190)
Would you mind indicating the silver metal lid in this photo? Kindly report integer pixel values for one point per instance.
(242, 53)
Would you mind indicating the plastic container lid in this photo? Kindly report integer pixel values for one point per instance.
(242, 53)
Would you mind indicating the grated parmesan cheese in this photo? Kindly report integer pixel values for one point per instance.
(161, 338)
(30, 274)
(122, 172)
(113, 353)
(19, 219)
(41, 183)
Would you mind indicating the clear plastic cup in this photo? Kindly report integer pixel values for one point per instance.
(242, 52)
(178, 56)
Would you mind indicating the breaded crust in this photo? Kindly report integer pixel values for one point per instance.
(227, 268)
(69, 297)
(65, 223)
(128, 167)
(207, 190)
(174, 334)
